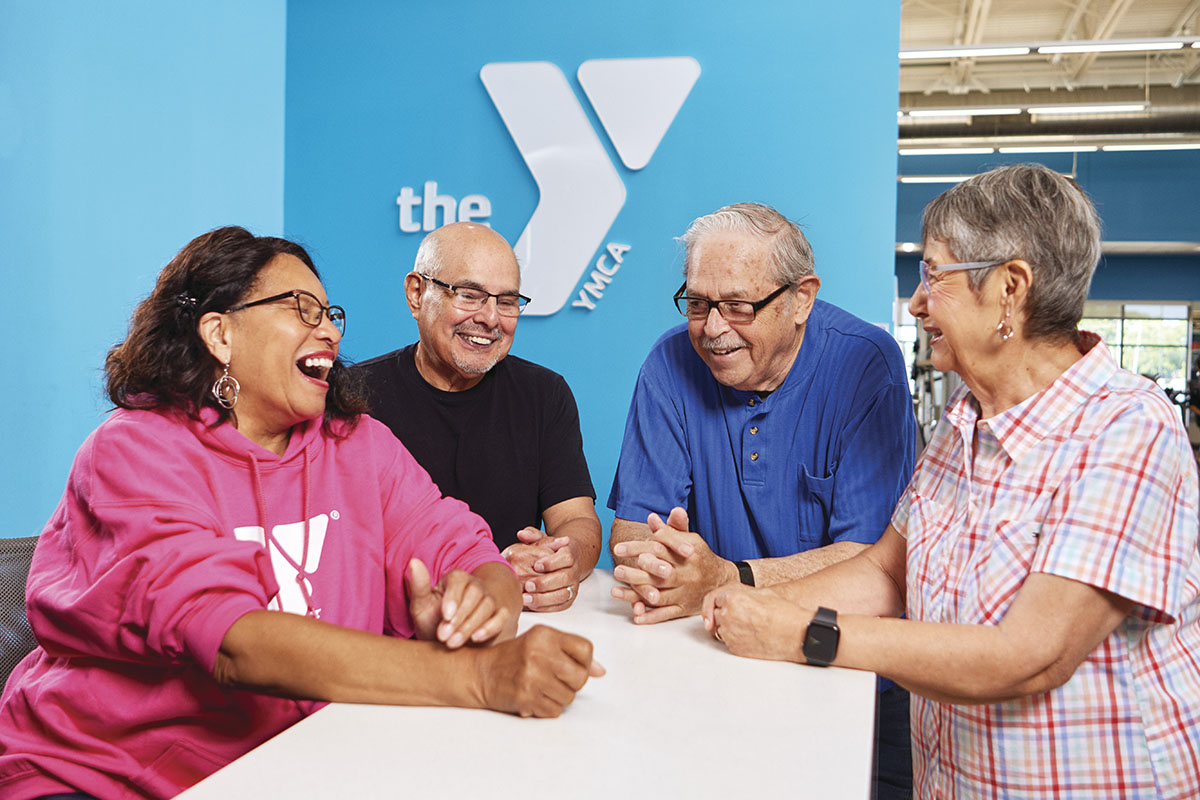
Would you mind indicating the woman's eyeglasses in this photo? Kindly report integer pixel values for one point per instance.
(307, 306)
(926, 269)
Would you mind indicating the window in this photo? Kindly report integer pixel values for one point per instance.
(1150, 339)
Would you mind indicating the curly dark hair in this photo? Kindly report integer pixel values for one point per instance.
(164, 363)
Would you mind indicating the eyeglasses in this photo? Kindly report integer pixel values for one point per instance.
(307, 306)
(468, 298)
(925, 269)
(731, 310)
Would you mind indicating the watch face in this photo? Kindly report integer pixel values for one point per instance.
(821, 641)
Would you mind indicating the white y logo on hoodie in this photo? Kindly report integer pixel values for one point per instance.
(290, 537)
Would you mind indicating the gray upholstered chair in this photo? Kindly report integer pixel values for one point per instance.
(16, 639)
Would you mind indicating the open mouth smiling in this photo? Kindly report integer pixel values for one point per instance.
(477, 339)
(316, 367)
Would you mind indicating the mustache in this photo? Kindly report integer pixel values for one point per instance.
(726, 341)
(468, 328)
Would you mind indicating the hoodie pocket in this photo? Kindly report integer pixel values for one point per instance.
(179, 766)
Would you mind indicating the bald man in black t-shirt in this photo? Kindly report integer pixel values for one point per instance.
(496, 431)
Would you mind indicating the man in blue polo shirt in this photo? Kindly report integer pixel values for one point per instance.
(776, 429)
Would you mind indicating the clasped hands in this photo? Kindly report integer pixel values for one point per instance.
(459, 609)
(672, 571)
(535, 674)
(546, 568)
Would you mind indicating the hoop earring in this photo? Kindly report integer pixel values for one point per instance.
(225, 389)
(1003, 328)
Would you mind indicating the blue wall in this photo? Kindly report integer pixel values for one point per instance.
(391, 97)
(126, 128)
(1140, 196)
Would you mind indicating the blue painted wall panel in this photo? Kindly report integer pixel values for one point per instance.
(1141, 196)
(126, 128)
(390, 96)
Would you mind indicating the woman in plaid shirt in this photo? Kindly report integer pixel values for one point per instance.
(1045, 552)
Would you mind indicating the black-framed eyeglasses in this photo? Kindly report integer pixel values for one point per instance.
(731, 310)
(307, 306)
(469, 298)
(966, 265)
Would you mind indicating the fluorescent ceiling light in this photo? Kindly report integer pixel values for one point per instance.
(964, 52)
(944, 151)
(1052, 148)
(908, 247)
(1109, 47)
(934, 178)
(1173, 146)
(963, 112)
(1110, 108)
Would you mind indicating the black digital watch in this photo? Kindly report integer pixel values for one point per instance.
(821, 639)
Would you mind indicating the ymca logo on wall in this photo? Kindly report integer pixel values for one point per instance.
(580, 191)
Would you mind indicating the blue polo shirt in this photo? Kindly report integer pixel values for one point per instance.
(822, 459)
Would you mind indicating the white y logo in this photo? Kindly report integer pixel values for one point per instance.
(290, 537)
(581, 193)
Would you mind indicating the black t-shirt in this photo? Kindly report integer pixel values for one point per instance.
(509, 447)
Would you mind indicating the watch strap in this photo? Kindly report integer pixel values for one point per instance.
(826, 616)
(745, 574)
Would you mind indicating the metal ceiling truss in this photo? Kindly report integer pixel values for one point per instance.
(1167, 82)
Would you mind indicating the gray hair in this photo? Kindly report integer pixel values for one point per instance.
(429, 260)
(791, 254)
(1032, 213)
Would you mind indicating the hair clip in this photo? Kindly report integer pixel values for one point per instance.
(186, 302)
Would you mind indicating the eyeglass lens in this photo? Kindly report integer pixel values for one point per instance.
(507, 305)
(311, 312)
(731, 310)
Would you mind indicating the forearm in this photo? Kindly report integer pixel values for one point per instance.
(585, 535)
(962, 664)
(1047, 632)
(770, 571)
(871, 582)
(502, 585)
(293, 656)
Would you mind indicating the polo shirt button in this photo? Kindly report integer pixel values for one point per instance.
(754, 430)
(754, 456)
(753, 402)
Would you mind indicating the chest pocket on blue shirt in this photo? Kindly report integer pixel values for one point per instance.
(815, 496)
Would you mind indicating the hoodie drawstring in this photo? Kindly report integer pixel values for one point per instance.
(269, 537)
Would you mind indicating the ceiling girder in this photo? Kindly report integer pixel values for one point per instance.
(1181, 23)
(1170, 80)
(1104, 30)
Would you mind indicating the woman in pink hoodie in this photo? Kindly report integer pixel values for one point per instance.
(238, 543)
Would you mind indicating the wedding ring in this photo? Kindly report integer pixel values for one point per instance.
(570, 593)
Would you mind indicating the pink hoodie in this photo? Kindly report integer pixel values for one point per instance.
(157, 547)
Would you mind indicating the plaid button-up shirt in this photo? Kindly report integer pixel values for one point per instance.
(1093, 480)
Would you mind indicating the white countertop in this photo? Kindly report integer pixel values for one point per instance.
(676, 716)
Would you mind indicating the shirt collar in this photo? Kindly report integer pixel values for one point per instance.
(1020, 428)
